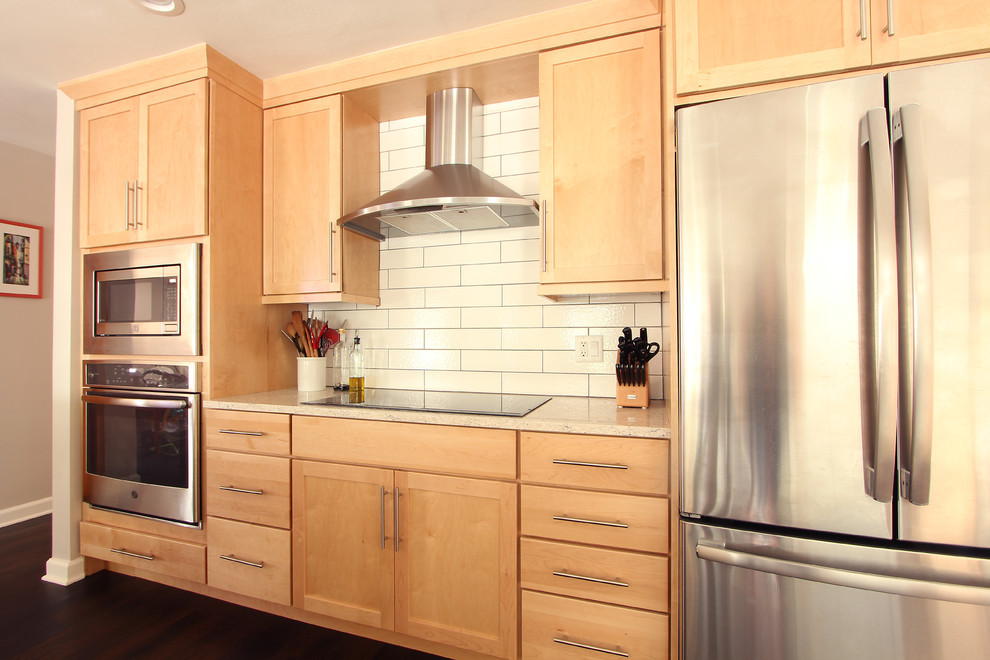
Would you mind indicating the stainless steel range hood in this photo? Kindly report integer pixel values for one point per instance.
(452, 194)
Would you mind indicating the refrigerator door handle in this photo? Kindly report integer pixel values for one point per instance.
(882, 428)
(976, 592)
(917, 305)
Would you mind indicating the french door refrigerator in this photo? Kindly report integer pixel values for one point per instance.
(834, 365)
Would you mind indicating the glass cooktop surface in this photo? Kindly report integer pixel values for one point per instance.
(472, 403)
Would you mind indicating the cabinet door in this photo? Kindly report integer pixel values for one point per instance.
(108, 159)
(923, 29)
(456, 562)
(739, 42)
(172, 162)
(302, 197)
(600, 162)
(343, 559)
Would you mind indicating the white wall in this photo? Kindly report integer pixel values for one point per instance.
(460, 311)
(27, 185)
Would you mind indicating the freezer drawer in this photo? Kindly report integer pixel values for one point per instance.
(749, 595)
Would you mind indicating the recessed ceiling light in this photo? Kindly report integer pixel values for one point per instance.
(163, 7)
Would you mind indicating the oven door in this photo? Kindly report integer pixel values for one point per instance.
(142, 453)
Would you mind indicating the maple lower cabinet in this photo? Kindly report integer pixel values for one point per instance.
(143, 166)
(321, 159)
(429, 556)
(600, 166)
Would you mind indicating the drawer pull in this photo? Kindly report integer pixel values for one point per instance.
(253, 564)
(234, 489)
(591, 522)
(613, 466)
(589, 647)
(614, 583)
(236, 432)
(122, 551)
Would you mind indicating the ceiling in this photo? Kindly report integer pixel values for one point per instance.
(45, 42)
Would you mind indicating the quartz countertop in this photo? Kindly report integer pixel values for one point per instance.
(562, 414)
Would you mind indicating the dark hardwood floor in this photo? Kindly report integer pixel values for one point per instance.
(108, 615)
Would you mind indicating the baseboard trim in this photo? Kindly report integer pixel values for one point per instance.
(64, 572)
(22, 512)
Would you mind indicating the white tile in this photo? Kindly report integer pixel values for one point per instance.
(406, 278)
(564, 362)
(520, 272)
(402, 258)
(545, 384)
(492, 166)
(528, 361)
(569, 316)
(406, 158)
(522, 294)
(607, 298)
(510, 143)
(602, 386)
(471, 253)
(398, 298)
(383, 162)
(648, 314)
(424, 318)
(403, 138)
(528, 250)
(547, 339)
(520, 120)
(363, 318)
(464, 381)
(382, 280)
(492, 123)
(464, 296)
(389, 180)
(464, 338)
(524, 184)
(398, 240)
(408, 122)
(501, 317)
(374, 358)
(323, 311)
(395, 379)
(401, 339)
(504, 234)
(527, 162)
(515, 104)
(424, 359)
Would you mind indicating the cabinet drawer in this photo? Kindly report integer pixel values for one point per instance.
(612, 576)
(557, 627)
(250, 559)
(186, 561)
(424, 447)
(594, 461)
(633, 522)
(248, 487)
(246, 431)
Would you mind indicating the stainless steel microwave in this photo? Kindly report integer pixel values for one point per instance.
(142, 301)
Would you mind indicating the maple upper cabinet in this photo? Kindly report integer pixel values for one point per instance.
(600, 171)
(733, 43)
(321, 159)
(143, 167)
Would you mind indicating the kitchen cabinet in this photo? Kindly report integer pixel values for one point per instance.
(321, 159)
(427, 555)
(143, 167)
(600, 166)
(146, 552)
(736, 42)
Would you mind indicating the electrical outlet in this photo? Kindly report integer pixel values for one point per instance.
(588, 348)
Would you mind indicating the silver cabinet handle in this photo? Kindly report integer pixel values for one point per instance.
(396, 538)
(383, 493)
(917, 346)
(614, 583)
(890, 18)
(236, 432)
(330, 255)
(904, 584)
(253, 564)
(543, 228)
(248, 491)
(613, 466)
(588, 647)
(127, 205)
(137, 206)
(883, 378)
(862, 19)
(591, 522)
(170, 404)
(136, 555)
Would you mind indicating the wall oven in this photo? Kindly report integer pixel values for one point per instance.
(141, 424)
(142, 301)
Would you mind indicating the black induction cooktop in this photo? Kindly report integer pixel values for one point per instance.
(472, 403)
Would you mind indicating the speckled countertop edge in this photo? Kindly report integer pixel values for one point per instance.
(587, 415)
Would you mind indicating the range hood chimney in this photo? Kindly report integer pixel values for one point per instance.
(452, 194)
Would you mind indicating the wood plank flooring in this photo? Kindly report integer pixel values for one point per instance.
(108, 615)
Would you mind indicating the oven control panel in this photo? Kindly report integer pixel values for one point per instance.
(145, 376)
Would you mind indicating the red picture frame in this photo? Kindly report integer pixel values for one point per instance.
(21, 273)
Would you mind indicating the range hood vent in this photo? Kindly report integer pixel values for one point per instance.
(452, 194)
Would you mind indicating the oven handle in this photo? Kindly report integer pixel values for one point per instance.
(171, 404)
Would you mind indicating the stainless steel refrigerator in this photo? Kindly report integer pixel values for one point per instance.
(834, 365)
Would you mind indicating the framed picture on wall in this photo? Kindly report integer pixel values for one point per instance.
(21, 275)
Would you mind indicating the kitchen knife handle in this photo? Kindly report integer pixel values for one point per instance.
(883, 376)
(917, 347)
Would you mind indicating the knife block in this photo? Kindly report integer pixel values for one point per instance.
(634, 396)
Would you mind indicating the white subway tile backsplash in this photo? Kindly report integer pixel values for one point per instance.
(529, 361)
(648, 314)
(522, 294)
(546, 339)
(464, 296)
(526, 162)
(424, 318)
(545, 384)
(501, 317)
(403, 138)
(520, 120)
(518, 272)
(528, 250)
(450, 255)
(396, 298)
(566, 316)
(511, 143)
(424, 359)
(464, 381)
(403, 258)
(395, 178)
(506, 234)
(405, 278)
(516, 104)
(399, 124)
(398, 239)
(395, 379)
(491, 124)
(563, 362)
(407, 158)
(464, 338)
(387, 339)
